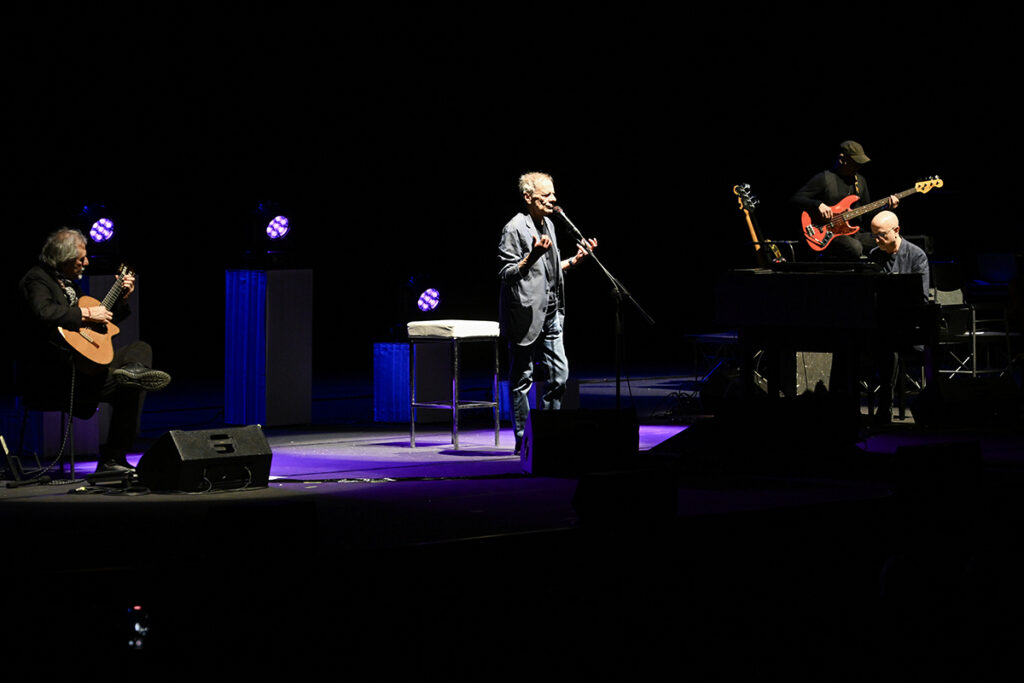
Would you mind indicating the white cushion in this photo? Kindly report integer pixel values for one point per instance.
(453, 329)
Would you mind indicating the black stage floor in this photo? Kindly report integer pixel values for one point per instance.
(731, 547)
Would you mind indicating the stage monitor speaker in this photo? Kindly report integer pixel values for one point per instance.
(573, 442)
(196, 461)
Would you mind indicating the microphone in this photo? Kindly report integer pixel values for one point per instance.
(561, 213)
(579, 235)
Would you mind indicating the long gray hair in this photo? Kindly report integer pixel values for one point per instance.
(62, 246)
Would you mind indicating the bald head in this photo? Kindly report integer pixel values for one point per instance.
(885, 227)
(885, 220)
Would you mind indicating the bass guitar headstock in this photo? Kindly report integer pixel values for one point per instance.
(928, 183)
(746, 200)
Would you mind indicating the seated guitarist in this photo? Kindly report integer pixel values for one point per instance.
(49, 370)
(828, 188)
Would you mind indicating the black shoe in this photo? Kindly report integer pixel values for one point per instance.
(138, 375)
(113, 460)
(110, 473)
(113, 467)
(882, 417)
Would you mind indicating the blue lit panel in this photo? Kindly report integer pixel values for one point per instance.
(245, 347)
(391, 382)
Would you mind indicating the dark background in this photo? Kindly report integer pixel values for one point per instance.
(393, 137)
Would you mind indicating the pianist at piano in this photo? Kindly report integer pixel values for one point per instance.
(845, 309)
(894, 255)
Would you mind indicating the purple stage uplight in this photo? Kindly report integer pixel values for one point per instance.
(429, 300)
(277, 228)
(102, 230)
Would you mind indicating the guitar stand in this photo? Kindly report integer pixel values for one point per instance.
(17, 472)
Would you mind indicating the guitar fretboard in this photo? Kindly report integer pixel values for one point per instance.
(115, 291)
(861, 210)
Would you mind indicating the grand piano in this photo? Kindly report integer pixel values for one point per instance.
(839, 308)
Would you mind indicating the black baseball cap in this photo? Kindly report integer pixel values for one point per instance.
(854, 150)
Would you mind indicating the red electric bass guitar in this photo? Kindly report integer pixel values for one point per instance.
(819, 235)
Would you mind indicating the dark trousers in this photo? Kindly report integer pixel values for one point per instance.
(549, 351)
(126, 401)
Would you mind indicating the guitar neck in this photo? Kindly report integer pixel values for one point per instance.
(860, 210)
(755, 238)
(110, 300)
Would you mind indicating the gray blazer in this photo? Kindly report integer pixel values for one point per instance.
(524, 295)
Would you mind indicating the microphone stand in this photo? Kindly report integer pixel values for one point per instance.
(620, 293)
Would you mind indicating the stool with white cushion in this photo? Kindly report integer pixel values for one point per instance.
(453, 332)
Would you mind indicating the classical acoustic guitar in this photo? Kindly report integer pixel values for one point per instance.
(819, 235)
(95, 341)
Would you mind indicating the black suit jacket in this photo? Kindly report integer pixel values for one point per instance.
(44, 360)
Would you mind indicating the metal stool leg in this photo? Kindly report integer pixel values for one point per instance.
(412, 394)
(455, 393)
(494, 397)
(71, 444)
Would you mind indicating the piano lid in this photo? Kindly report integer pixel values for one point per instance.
(836, 299)
(827, 267)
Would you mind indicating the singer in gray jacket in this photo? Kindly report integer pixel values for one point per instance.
(533, 299)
